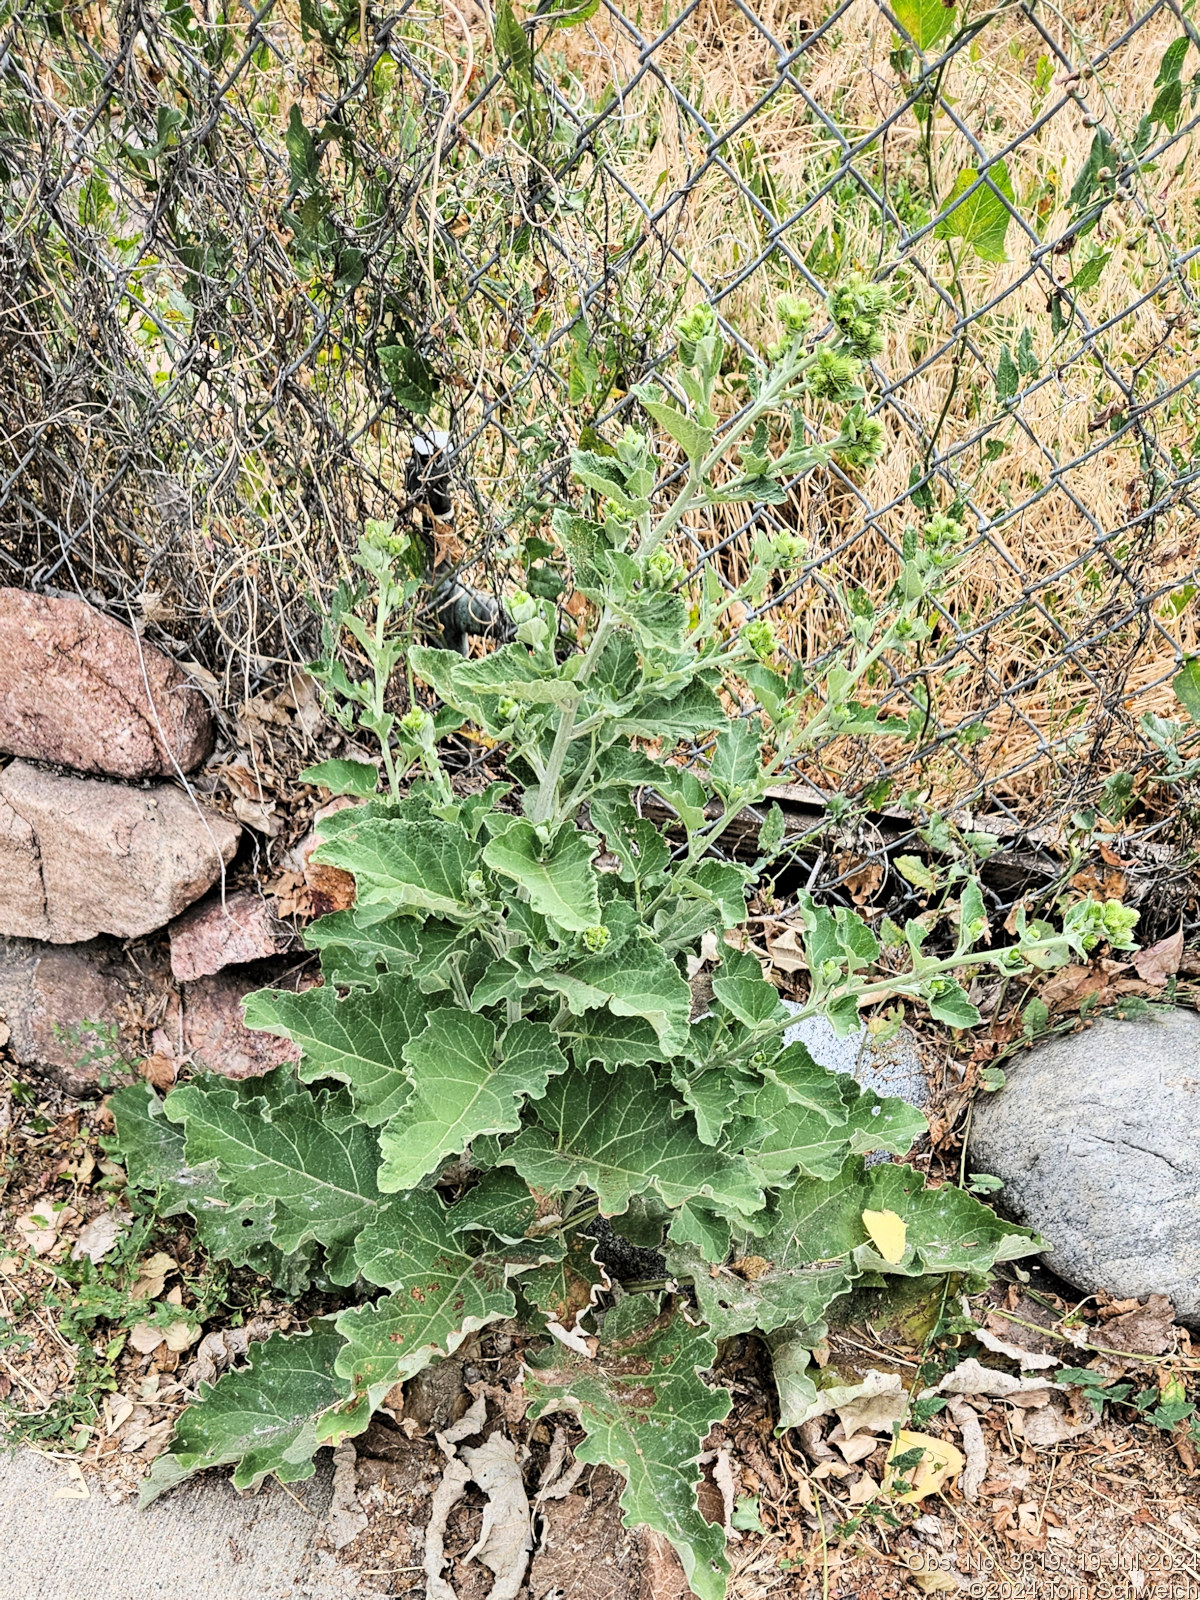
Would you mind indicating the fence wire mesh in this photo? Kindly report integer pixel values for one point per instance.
(251, 254)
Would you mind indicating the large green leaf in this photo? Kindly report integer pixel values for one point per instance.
(611, 1040)
(1186, 685)
(693, 711)
(563, 1290)
(500, 1205)
(306, 1152)
(712, 1094)
(402, 866)
(643, 852)
(613, 1132)
(765, 1295)
(947, 1231)
(558, 877)
(514, 672)
(355, 951)
(152, 1150)
(927, 22)
(465, 1083)
(440, 1292)
(343, 777)
(358, 1039)
(736, 759)
(742, 989)
(646, 1412)
(640, 980)
(695, 440)
(264, 1417)
(981, 220)
(788, 1137)
(710, 901)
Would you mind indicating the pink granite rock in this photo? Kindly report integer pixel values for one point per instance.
(213, 935)
(80, 690)
(330, 888)
(215, 1034)
(78, 858)
(62, 1007)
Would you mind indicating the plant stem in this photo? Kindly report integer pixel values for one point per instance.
(544, 806)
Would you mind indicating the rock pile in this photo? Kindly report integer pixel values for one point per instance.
(106, 853)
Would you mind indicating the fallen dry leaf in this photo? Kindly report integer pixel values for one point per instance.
(1071, 986)
(1160, 961)
(786, 950)
(856, 1449)
(100, 1235)
(1149, 1330)
(972, 1377)
(77, 1488)
(864, 1491)
(260, 816)
(159, 1070)
(346, 1518)
(152, 1275)
(1027, 1360)
(974, 1448)
(118, 1409)
(934, 1582)
(863, 881)
(179, 1336)
(507, 1535)
(1110, 885)
(145, 1339)
(39, 1229)
(1053, 1424)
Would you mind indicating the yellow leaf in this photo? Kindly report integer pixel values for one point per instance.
(889, 1234)
(939, 1463)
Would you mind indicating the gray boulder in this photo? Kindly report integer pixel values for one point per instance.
(892, 1069)
(1096, 1137)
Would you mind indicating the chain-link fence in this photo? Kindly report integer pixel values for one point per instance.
(251, 255)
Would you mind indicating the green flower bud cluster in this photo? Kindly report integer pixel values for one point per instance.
(861, 441)
(699, 343)
(1111, 922)
(416, 723)
(794, 313)
(596, 939)
(833, 375)
(943, 534)
(522, 607)
(760, 636)
(696, 324)
(382, 536)
(788, 549)
(661, 570)
(533, 626)
(507, 708)
(856, 308)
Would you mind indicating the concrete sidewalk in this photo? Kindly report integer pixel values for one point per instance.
(203, 1541)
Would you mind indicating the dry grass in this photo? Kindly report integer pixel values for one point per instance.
(246, 495)
(1059, 548)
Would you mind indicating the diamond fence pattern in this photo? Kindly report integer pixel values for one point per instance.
(250, 255)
